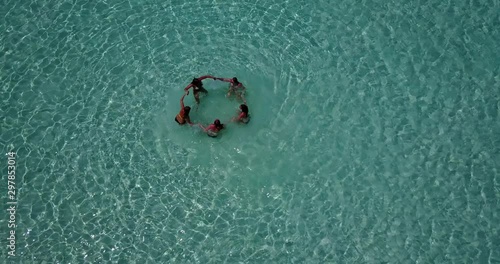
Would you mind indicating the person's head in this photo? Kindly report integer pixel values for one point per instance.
(196, 82)
(218, 124)
(187, 109)
(235, 80)
(244, 108)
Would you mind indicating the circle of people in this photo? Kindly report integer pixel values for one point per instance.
(212, 130)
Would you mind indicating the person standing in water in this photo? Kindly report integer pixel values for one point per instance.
(197, 86)
(243, 116)
(183, 116)
(212, 130)
(235, 86)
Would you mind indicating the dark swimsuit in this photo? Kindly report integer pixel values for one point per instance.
(197, 89)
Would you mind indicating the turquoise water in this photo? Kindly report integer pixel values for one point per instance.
(375, 135)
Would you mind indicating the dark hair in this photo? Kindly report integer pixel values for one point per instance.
(244, 108)
(218, 124)
(186, 110)
(196, 82)
(235, 80)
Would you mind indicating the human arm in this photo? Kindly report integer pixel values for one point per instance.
(241, 95)
(182, 100)
(188, 120)
(229, 80)
(205, 76)
(239, 117)
(187, 87)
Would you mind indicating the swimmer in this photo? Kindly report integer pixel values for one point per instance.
(213, 129)
(235, 86)
(183, 116)
(198, 87)
(243, 116)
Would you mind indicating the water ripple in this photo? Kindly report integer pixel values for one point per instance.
(373, 134)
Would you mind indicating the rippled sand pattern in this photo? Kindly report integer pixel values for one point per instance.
(375, 133)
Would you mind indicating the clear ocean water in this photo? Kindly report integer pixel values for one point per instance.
(375, 133)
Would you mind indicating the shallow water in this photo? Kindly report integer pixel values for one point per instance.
(374, 135)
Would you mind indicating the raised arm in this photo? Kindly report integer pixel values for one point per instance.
(182, 100)
(205, 76)
(187, 87)
(229, 80)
